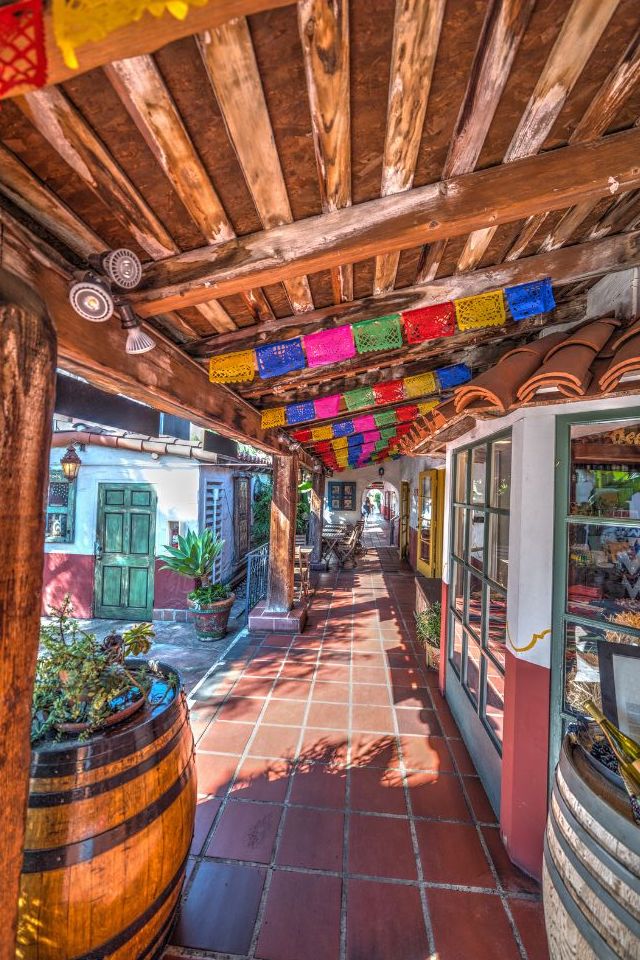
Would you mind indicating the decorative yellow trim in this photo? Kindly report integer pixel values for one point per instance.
(535, 637)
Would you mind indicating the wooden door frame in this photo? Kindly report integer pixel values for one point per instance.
(405, 514)
(434, 567)
(102, 488)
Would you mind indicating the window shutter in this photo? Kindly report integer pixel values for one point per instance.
(213, 518)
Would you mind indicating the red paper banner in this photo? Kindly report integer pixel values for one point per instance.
(23, 58)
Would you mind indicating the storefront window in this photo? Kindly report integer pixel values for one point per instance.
(600, 554)
(479, 577)
(60, 510)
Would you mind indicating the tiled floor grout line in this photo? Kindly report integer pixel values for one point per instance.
(344, 904)
(271, 867)
(501, 892)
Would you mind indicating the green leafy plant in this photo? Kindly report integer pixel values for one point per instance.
(194, 556)
(202, 596)
(81, 680)
(428, 632)
(261, 519)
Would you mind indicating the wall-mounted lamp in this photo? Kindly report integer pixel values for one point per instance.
(71, 464)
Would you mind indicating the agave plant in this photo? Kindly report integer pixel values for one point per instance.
(194, 556)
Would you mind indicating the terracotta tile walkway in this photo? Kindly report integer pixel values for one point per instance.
(339, 815)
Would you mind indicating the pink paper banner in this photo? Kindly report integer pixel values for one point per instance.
(329, 346)
(364, 423)
(327, 406)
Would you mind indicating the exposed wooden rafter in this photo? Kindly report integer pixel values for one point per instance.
(55, 117)
(145, 35)
(416, 34)
(568, 265)
(140, 86)
(496, 195)
(502, 30)
(580, 33)
(230, 61)
(324, 34)
(602, 110)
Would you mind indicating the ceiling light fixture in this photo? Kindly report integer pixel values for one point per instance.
(91, 298)
(122, 267)
(137, 340)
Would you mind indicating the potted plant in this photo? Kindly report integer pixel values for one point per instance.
(83, 684)
(428, 633)
(210, 602)
(112, 794)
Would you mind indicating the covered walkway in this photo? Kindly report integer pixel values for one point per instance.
(340, 817)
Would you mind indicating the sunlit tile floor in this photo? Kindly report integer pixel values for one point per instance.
(338, 818)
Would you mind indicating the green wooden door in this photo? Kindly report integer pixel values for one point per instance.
(125, 542)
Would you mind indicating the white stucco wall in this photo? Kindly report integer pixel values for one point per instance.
(177, 485)
(363, 478)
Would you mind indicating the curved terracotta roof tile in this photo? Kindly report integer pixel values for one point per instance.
(499, 384)
(625, 360)
(630, 331)
(567, 365)
(593, 335)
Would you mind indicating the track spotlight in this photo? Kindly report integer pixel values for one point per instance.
(91, 298)
(137, 340)
(122, 267)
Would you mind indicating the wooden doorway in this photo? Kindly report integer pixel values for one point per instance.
(125, 541)
(430, 517)
(405, 507)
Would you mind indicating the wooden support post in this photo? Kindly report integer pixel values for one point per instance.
(27, 387)
(316, 516)
(283, 534)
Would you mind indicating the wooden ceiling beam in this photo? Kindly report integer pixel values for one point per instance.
(230, 61)
(146, 35)
(503, 27)
(145, 95)
(618, 87)
(571, 264)
(581, 31)
(496, 195)
(324, 35)
(416, 35)
(61, 124)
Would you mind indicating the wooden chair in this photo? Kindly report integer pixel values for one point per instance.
(351, 547)
(301, 573)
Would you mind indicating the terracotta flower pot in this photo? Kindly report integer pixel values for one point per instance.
(211, 619)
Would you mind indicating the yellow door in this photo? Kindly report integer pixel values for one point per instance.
(430, 514)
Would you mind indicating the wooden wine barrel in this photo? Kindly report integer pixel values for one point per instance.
(109, 826)
(591, 872)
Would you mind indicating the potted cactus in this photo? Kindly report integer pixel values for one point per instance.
(210, 603)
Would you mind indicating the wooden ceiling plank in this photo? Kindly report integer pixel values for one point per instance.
(581, 31)
(229, 59)
(142, 90)
(568, 265)
(600, 114)
(416, 35)
(503, 194)
(324, 35)
(55, 117)
(146, 35)
(503, 27)
(24, 189)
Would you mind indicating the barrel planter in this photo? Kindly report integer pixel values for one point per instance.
(591, 872)
(109, 827)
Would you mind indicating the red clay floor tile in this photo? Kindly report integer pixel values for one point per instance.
(319, 785)
(287, 712)
(484, 934)
(426, 753)
(226, 737)
(381, 847)
(328, 715)
(373, 694)
(418, 721)
(529, 918)
(378, 750)
(291, 689)
(372, 719)
(312, 839)
(215, 772)
(462, 757)
(325, 746)
(240, 710)
(482, 809)
(377, 791)
(452, 853)
(262, 780)
(302, 918)
(221, 908)
(385, 921)
(274, 741)
(206, 810)
(511, 878)
(246, 831)
(437, 795)
(330, 691)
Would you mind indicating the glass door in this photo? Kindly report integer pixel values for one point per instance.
(596, 598)
(425, 514)
(404, 519)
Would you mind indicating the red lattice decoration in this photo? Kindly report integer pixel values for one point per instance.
(23, 59)
(407, 414)
(302, 436)
(389, 392)
(427, 323)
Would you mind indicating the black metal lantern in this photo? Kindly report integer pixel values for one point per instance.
(70, 464)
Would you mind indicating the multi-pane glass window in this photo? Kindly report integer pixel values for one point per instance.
(598, 549)
(479, 574)
(60, 515)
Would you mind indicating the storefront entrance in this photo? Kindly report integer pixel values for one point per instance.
(477, 620)
(430, 516)
(125, 541)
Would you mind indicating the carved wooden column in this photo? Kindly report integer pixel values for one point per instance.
(316, 516)
(283, 534)
(27, 386)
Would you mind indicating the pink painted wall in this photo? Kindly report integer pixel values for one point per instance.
(525, 762)
(171, 589)
(70, 573)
